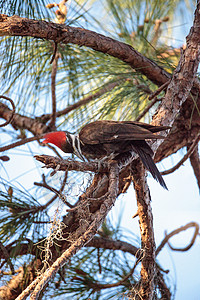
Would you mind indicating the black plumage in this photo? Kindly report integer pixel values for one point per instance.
(103, 138)
(106, 139)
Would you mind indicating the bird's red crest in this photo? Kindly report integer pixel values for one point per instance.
(57, 138)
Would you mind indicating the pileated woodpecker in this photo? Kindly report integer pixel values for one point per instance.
(111, 139)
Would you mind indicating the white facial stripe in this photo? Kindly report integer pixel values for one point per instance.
(67, 138)
(77, 149)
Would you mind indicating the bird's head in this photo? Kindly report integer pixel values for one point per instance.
(59, 139)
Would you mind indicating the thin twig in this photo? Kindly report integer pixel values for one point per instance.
(54, 52)
(106, 88)
(164, 290)
(196, 233)
(186, 156)
(99, 260)
(21, 142)
(57, 193)
(13, 111)
(143, 113)
(122, 281)
(7, 258)
(53, 89)
(46, 186)
(159, 90)
(177, 231)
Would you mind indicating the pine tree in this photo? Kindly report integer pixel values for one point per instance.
(62, 66)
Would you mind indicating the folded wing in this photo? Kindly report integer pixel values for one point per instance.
(111, 131)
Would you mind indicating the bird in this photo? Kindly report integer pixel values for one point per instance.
(104, 140)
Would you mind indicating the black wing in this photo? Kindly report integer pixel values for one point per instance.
(145, 153)
(113, 131)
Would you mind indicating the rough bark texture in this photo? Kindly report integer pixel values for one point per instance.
(183, 77)
(148, 247)
(17, 26)
(22, 122)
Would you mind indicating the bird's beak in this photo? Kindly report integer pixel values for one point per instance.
(79, 155)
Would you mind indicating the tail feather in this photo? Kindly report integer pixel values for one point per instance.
(150, 165)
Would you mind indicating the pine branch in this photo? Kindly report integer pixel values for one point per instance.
(53, 90)
(22, 122)
(17, 26)
(183, 77)
(59, 164)
(98, 242)
(19, 143)
(87, 99)
(148, 247)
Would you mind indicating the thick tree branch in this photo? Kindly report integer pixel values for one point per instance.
(178, 91)
(59, 164)
(98, 242)
(87, 232)
(17, 26)
(148, 265)
(22, 122)
(183, 77)
(184, 131)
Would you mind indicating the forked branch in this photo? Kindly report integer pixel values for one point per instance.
(96, 221)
